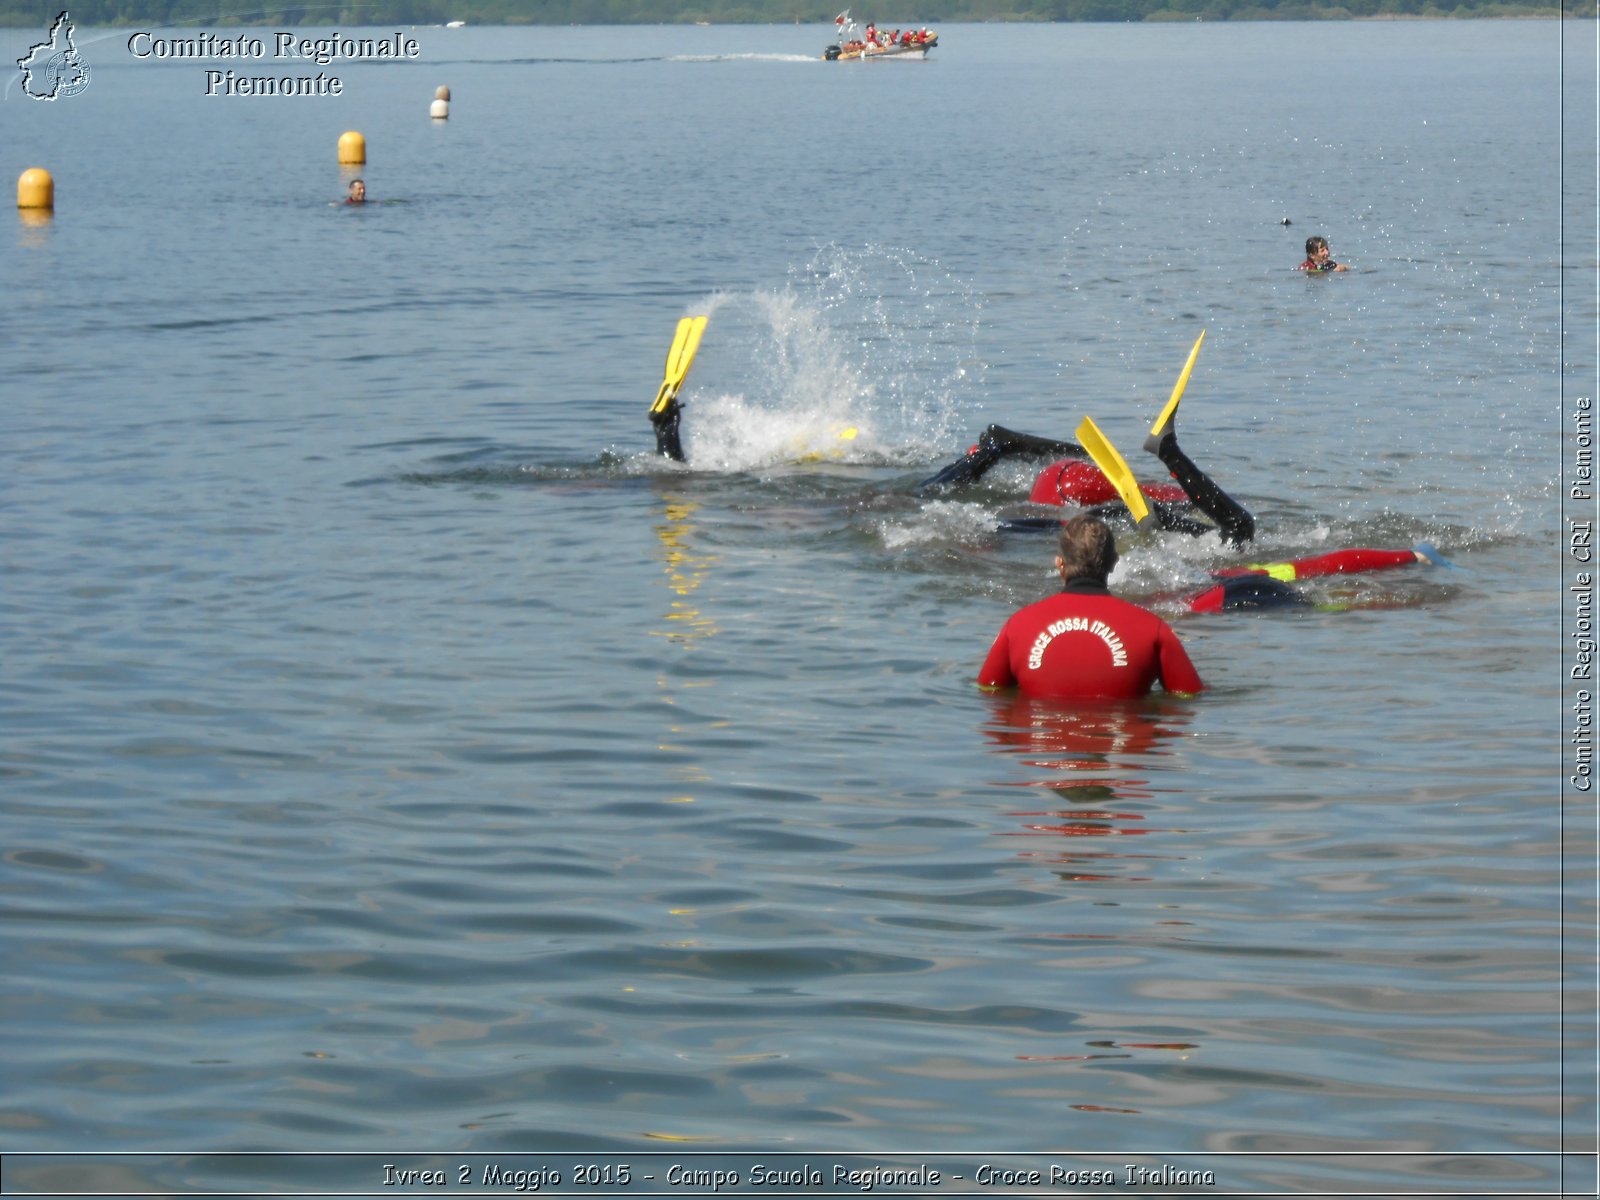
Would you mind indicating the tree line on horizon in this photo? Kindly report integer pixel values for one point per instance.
(216, 14)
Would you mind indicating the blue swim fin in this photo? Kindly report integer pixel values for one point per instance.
(1430, 552)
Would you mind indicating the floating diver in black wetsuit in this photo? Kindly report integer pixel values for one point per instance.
(1071, 480)
(1074, 481)
(1092, 473)
(1077, 480)
(1256, 585)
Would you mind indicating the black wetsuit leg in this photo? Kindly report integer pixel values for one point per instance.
(995, 444)
(1234, 522)
(666, 426)
(1029, 524)
(1169, 516)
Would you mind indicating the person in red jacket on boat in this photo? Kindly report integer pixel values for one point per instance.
(1083, 642)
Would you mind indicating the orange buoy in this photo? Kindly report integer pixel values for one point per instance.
(352, 149)
(35, 189)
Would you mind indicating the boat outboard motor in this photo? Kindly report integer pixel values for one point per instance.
(831, 53)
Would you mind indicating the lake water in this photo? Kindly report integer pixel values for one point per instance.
(399, 757)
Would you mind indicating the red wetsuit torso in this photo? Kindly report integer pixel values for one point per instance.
(1084, 643)
(1073, 481)
(1339, 562)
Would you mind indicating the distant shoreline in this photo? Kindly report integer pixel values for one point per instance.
(1491, 12)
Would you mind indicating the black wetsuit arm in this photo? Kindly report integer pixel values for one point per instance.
(995, 444)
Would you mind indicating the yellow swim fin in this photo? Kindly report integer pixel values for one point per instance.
(845, 433)
(679, 359)
(1165, 418)
(1115, 469)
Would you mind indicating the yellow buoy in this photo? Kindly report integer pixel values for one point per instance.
(439, 110)
(35, 189)
(352, 148)
(441, 93)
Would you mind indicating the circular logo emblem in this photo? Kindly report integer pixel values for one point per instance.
(70, 76)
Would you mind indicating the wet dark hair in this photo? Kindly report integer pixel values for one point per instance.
(1088, 548)
(1314, 243)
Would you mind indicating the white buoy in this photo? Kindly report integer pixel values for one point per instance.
(439, 110)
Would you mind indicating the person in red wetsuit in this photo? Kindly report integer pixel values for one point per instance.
(1267, 585)
(1083, 642)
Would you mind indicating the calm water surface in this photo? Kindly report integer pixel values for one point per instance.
(398, 756)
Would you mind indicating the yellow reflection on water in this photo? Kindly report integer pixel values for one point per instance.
(684, 625)
(686, 570)
(33, 228)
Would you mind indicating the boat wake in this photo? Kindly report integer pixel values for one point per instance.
(626, 60)
(708, 58)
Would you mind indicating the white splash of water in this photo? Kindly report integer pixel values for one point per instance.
(865, 358)
(938, 522)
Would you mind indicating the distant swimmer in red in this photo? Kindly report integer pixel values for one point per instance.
(1319, 258)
